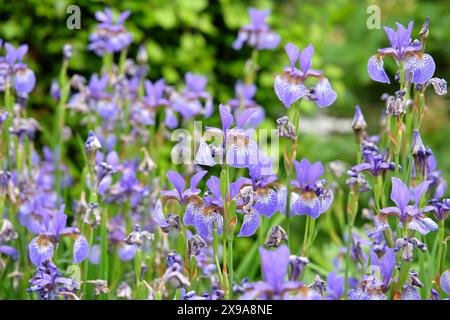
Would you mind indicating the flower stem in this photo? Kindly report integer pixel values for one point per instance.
(231, 272)
(90, 231)
(216, 256)
(289, 167)
(440, 259)
(347, 258)
(59, 126)
(138, 270)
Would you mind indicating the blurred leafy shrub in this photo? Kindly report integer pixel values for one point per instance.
(196, 35)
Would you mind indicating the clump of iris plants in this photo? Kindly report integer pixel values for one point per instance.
(145, 216)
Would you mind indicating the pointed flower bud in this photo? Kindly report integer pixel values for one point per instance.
(396, 105)
(359, 125)
(142, 55)
(7, 231)
(420, 154)
(92, 145)
(286, 128)
(423, 34)
(67, 51)
(137, 236)
(276, 237)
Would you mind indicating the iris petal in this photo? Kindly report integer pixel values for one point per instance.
(41, 249)
(250, 224)
(266, 202)
(80, 249)
(307, 203)
(423, 226)
(204, 156)
(24, 81)
(445, 281)
(158, 215)
(288, 91)
(376, 70)
(324, 93)
(421, 69)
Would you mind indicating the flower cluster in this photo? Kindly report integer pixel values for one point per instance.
(129, 222)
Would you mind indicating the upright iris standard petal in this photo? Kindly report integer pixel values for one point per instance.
(392, 36)
(288, 90)
(400, 193)
(244, 116)
(258, 17)
(315, 171)
(324, 93)
(196, 178)
(421, 69)
(293, 53)
(302, 169)
(177, 180)
(376, 70)
(40, 250)
(123, 16)
(326, 199)
(250, 224)
(80, 249)
(306, 58)
(226, 117)
(266, 201)
(418, 191)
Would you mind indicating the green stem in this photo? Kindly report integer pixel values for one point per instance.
(347, 257)
(289, 163)
(6, 136)
(58, 133)
(440, 261)
(231, 271)
(261, 232)
(122, 59)
(104, 245)
(90, 231)
(305, 236)
(138, 270)
(216, 256)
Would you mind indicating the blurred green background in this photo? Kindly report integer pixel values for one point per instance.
(196, 36)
